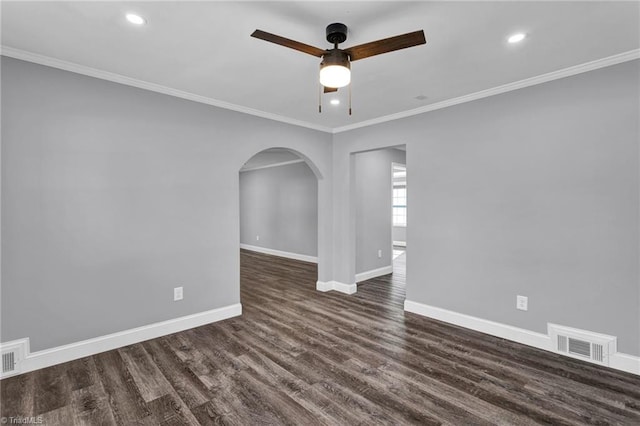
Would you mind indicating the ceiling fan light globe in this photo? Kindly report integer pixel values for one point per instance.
(335, 76)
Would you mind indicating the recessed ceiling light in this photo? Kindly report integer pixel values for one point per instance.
(516, 38)
(335, 101)
(135, 19)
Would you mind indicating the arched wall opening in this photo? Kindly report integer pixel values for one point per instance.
(279, 205)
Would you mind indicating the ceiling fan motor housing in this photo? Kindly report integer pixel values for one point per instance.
(336, 33)
(335, 57)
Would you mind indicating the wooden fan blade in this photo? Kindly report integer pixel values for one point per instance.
(292, 44)
(330, 89)
(386, 45)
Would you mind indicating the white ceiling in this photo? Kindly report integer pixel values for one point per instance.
(205, 48)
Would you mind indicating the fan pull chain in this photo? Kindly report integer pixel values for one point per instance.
(349, 99)
(320, 99)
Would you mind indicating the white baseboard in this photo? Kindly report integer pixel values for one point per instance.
(48, 357)
(497, 329)
(625, 362)
(337, 286)
(273, 252)
(345, 288)
(367, 275)
(324, 286)
(618, 361)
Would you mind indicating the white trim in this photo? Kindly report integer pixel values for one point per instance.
(117, 78)
(48, 357)
(543, 78)
(618, 361)
(141, 84)
(324, 286)
(367, 275)
(267, 166)
(273, 252)
(497, 329)
(337, 286)
(399, 243)
(625, 362)
(345, 288)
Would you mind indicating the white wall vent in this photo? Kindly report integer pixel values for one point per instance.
(12, 356)
(582, 344)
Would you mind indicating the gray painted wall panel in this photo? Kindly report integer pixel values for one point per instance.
(112, 196)
(399, 233)
(280, 204)
(533, 192)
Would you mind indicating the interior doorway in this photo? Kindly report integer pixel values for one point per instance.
(278, 205)
(399, 214)
(380, 212)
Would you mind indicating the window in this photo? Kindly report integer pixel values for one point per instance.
(399, 199)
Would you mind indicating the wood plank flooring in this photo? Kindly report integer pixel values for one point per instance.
(300, 357)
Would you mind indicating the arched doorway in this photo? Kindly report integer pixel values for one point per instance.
(278, 208)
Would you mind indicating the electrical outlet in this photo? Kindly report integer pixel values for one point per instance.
(379, 254)
(177, 293)
(522, 303)
(257, 237)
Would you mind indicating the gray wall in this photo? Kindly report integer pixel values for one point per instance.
(533, 192)
(373, 207)
(280, 204)
(112, 196)
(399, 233)
(269, 157)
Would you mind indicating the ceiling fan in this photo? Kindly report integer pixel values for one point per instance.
(335, 68)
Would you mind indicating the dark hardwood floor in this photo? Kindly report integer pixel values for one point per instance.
(301, 357)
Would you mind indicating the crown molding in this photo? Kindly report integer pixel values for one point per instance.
(543, 78)
(118, 78)
(141, 84)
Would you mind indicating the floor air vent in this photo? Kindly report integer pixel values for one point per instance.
(8, 362)
(582, 344)
(12, 356)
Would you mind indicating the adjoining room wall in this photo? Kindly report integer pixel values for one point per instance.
(373, 207)
(534, 192)
(113, 195)
(280, 206)
(399, 233)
